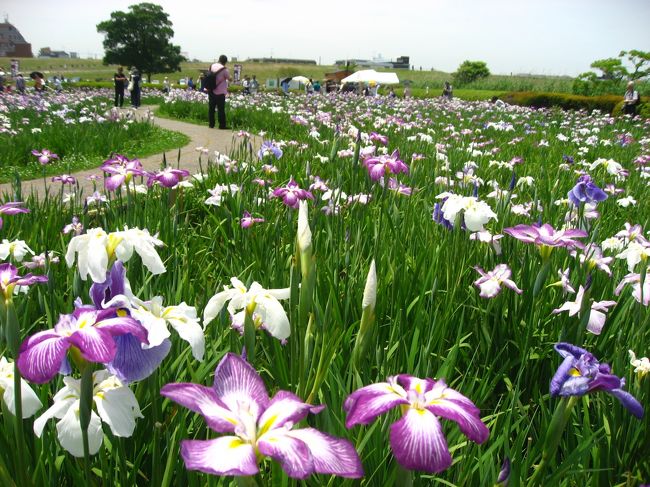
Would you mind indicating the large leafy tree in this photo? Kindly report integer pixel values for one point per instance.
(470, 71)
(141, 38)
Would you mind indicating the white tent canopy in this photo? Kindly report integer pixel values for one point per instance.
(368, 75)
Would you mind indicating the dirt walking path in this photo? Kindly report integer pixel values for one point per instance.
(200, 136)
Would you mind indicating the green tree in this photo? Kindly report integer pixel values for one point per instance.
(141, 38)
(470, 71)
(640, 60)
(611, 68)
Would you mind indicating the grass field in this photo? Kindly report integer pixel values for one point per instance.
(94, 70)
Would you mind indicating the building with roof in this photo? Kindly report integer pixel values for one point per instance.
(12, 43)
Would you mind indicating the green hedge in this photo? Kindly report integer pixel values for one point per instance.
(604, 103)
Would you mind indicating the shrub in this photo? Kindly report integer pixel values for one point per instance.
(604, 103)
(470, 71)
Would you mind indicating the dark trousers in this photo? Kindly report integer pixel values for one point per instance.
(629, 109)
(218, 102)
(119, 96)
(135, 97)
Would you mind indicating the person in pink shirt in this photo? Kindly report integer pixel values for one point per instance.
(217, 96)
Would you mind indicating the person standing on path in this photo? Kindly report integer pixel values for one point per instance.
(134, 88)
(217, 96)
(630, 100)
(119, 80)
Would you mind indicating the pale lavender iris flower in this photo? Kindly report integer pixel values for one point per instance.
(417, 439)
(44, 156)
(257, 426)
(64, 179)
(490, 282)
(546, 235)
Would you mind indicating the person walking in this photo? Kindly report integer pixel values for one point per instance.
(631, 99)
(119, 79)
(217, 95)
(448, 91)
(134, 88)
(166, 85)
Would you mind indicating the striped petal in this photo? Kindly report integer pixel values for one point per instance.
(202, 400)
(285, 407)
(331, 455)
(293, 454)
(95, 344)
(227, 455)
(237, 384)
(468, 421)
(418, 442)
(365, 404)
(41, 356)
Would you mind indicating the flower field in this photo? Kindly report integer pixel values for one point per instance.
(384, 292)
(80, 126)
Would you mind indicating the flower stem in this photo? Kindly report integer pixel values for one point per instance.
(559, 421)
(85, 411)
(12, 334)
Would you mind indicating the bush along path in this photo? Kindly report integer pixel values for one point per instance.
(186, 157)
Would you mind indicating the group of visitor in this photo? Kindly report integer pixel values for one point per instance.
(134, 86)
(251, 86)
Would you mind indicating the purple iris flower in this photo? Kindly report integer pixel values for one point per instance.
(586, 191)
(375, 137)
(417, 439)
(580, 373)
(121, 170)
(132, 362)
(92, 332)
(12, 208)
(168, 177)
(248, 221)
(257, 426)
(292, 194)
(269, 148)
(438, 216)
(9, 279)
(546, 235)
(64, 179)
(44, 156)
(379, 166)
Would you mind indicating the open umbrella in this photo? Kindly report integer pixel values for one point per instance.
(36, 74)
(301, 79)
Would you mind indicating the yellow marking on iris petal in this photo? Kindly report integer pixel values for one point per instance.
(267, 424)
(418, 388)
(122, 313)
(235, 443)
(575, 372)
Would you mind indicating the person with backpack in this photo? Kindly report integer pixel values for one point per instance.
(631, 100)
(216, 84)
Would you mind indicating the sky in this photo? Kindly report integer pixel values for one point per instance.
(549, 37)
